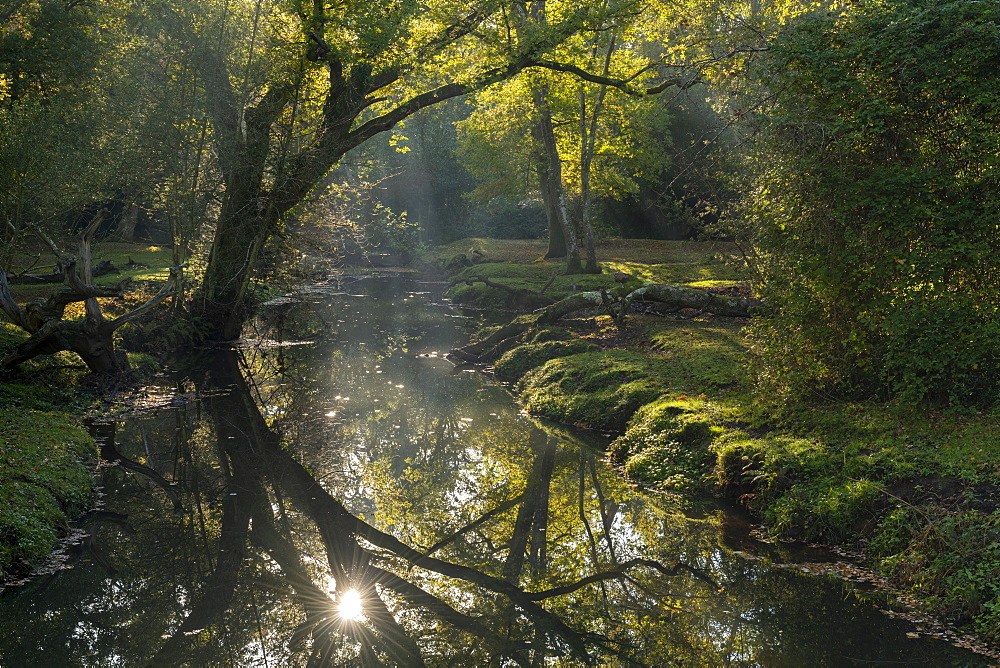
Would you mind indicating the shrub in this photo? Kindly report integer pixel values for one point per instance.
(876, 202)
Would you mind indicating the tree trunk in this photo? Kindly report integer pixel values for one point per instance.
(557, 240)
(129, 221)
(551, 184)
(588, 143)
(90, 340)
(223, 300)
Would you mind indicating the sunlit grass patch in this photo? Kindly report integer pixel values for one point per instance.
(703, 356)
(154, 263)
(157, 260)
(647, 251)
(675, 273)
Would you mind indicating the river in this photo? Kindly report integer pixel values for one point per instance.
(340, 496)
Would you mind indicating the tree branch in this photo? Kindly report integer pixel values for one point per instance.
(621, 571)
(168, 289)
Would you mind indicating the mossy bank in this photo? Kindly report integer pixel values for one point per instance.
(47, 458)
(46, 462)
(914, 490)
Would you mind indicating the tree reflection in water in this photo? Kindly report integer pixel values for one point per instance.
(354, 505)
(417, 606)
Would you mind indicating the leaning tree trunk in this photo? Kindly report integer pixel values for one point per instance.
(92, 338)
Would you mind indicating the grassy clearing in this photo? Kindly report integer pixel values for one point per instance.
(151, 266)
(520, 264)
(918, 491)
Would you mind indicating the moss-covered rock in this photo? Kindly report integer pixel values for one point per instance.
(518, 361)
(596, 389)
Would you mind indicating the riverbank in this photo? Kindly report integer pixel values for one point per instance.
(46, 461)
(47, 457)
(915, 491)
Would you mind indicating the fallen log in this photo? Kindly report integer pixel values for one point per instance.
(100, 269)
(682, 297)
(672, 295)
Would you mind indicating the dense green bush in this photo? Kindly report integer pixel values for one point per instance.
(876, 203)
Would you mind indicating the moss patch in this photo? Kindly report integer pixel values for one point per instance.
(918, 493)
(532, 277)
(45, 477)
(667, 443)
(45, 456)
(518, 361)
(596, 389)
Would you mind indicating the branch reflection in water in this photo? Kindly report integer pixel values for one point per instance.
(422, 521)
(395, 603)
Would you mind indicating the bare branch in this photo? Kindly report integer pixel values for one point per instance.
(166, 290)
(502, 508)
(619, 572)
(684, 81)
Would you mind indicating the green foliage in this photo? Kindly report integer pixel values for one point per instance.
(506, 218)
(876, 204)
(951, 559)
(390, 232)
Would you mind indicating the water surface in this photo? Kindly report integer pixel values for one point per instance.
(340, 496)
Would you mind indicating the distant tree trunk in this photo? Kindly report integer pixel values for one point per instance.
(557, 240)
(551, 182)
(129, 221)
(588, 143)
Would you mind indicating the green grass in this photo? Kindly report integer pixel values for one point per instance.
(715, 274)
(156, 258)
(646, 251)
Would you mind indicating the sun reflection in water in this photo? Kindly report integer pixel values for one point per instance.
(350, 607)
